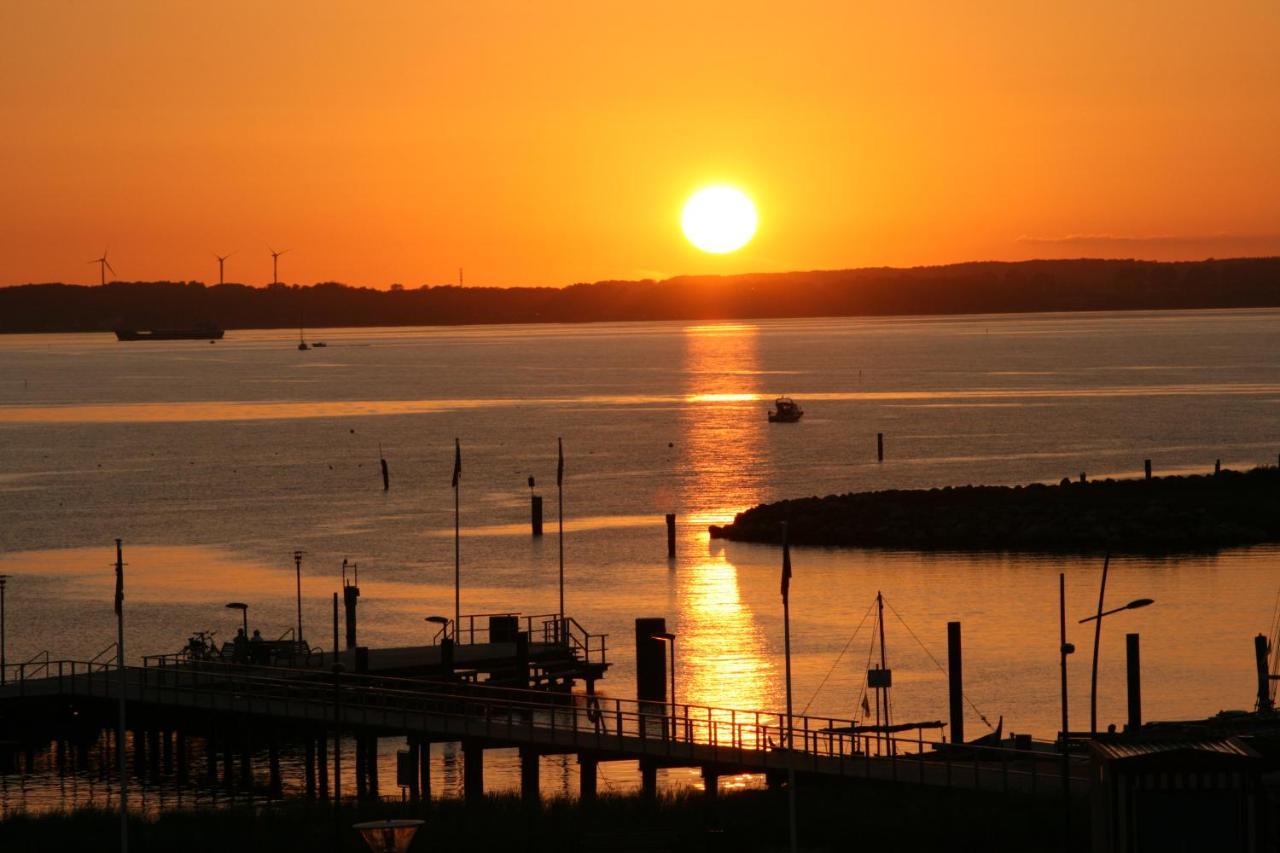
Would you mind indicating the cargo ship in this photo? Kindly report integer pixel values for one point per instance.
(207, 332)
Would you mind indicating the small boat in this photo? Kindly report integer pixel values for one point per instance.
(785, 411)
(319, 344)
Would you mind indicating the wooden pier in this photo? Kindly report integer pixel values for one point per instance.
(234, 709)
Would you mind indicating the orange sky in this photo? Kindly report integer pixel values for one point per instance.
(553, 142)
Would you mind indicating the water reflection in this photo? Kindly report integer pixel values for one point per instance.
(722, 659)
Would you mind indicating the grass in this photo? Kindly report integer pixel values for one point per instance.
(866, 817)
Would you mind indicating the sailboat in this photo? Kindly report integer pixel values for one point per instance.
(302, 341)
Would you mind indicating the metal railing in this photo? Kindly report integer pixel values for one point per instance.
(743, 739)
(547, 628)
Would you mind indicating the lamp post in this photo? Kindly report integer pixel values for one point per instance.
(3, 578)
(244, 613)
(670, 640)
(442, 621)
(1097, 636)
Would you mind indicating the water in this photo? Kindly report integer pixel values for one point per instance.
(214, 462)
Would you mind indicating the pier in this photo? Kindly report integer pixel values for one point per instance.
(222, 704)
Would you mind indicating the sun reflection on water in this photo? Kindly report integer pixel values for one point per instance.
(721, 653)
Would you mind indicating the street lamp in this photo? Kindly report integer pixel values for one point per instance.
(388, 836)
(670, 640)
(244, 613)
(442, 621)
(1097, 636)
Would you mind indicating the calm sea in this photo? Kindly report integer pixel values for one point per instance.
(214, 462)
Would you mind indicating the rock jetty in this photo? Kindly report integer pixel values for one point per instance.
(1157, 515)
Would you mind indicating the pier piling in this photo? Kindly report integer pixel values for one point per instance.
(879, 447)
(671, 536)
(648, 779)
(350, 595)
(1133, 670)
(386, 475)
(1146, 465)
(530, 791)
(309, 766)
(588, 771)
(472, 771)
(322, 765)
(651, 660)
(535, 514)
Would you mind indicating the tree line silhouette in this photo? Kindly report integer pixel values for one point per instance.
(969, 288)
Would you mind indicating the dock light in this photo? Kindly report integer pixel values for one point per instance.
(442, 621)
(244, 613)
(388, 836)
(1132, 605)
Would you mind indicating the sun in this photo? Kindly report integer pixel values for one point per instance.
(719, 219)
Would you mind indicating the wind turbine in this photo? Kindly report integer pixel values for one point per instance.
(103, 266)
(221, 259)
(275, 259)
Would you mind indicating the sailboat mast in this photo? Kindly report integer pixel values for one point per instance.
(884, 666)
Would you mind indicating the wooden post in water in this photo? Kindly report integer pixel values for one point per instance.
(1217, 467)
(535, 514)
(671, 536)
(879, 447)
(386, 475)
(1146, 464)
(1260, 649)
(1133, 669)
(955, 680)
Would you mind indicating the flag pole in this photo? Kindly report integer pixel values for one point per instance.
(560, 499)
(457, 540)
(786, 646)
(120, 745)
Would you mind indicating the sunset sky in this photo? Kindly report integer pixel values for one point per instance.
(555, 142)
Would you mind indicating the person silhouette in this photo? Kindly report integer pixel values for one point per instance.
(257, 648)
(240, 647)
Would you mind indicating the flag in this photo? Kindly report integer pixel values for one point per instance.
(457, 462)
(866, 706)
(786, 563)
(560, 463)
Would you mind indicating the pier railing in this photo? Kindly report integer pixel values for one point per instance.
(547, 628)
(747, 740)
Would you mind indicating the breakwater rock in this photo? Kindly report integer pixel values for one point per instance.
(1159, 515)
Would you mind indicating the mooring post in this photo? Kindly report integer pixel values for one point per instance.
(535, 514)
(879, 447)
(322, 764)
(386, 475)
(530, 790)
(588, 770)
(1146, 465)
(671, 536)
(472, 772)
(1261, 648)
(1133, 668)
(955, 680)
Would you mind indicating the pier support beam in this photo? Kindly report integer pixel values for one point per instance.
(362, 789)
(275, 784)
(309, 766)
(530, 788)
(166, 752)
(671, 536)
(472, 771)
(1261, 649)
(535, 514)
(182, 754)
(648, 779)
(424, 771)
(322, 764)
(371, 765)
(711, 782)
(588, 773)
